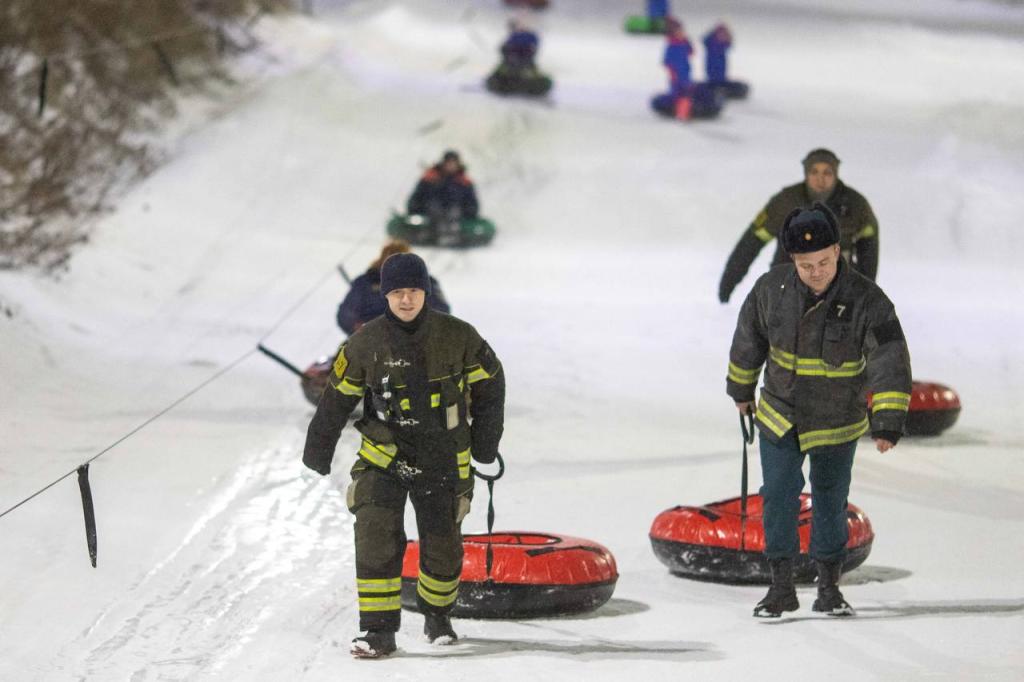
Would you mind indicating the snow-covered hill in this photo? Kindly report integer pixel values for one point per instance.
(221, 558)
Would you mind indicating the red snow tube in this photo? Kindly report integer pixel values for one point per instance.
(314, 379)
(711, 542)
(933, 409)
(532, 575)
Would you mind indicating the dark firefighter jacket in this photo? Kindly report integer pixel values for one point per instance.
(363, 302)
(820, 363)
(437, 191)
(858, 233)
(414, 385)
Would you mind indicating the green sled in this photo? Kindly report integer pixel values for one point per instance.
(642, 24)
(421, 230)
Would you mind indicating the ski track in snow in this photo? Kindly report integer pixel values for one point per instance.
(269, 539)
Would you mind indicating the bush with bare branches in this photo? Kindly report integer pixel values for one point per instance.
(81, 86)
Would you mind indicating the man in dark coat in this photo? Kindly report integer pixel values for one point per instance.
(364, 302)
(825, 335)
(415, 370)
(858, 227)
(444, 187)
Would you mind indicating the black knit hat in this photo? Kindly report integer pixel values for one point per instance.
(404, 271)
(821, 155)
(807, 230)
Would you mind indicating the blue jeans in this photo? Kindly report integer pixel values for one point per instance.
(781, 469)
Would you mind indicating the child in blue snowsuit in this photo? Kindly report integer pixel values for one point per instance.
(677, 58)
(520, 47)
(716, 44)
(657, 9)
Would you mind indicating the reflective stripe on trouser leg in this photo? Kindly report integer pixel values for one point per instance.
(440, 550)
(830, 486)
(436, 594)
(380, 548)
(783, 482)
(380, 603)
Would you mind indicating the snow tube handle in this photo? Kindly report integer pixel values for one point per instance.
(492, 477)
(490, 510)
(747, 428)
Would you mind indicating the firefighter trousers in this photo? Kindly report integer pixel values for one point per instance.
(378, 500)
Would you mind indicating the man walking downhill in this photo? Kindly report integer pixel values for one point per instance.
(414, 368)
(825, 334)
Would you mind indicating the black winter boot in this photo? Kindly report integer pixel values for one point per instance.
(830, 600)
(438, 629)
(781, 595)
(374, 644)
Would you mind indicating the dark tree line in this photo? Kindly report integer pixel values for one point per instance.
(82, 84)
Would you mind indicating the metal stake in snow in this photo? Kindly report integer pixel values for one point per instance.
(490, 508)
(747, 427)
(87, 509)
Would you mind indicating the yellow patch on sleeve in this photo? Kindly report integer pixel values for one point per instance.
(340, 363)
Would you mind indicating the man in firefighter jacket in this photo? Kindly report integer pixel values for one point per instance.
(858, 227)
(825, 334)
(413, 368)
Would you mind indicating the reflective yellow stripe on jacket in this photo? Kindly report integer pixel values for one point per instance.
(377, 453)
(350, 388)
(890, 400)
(837, 436)
(463, 459)
(759, 227)
(477, 373)
(770, 417)
(815, 367)
(865, 232)
(743, 376)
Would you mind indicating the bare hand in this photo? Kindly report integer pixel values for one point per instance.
(883, 445)
(745, 408)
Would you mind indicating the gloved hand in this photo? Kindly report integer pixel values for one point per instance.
(723, 294)
(318, 466)
(485, 457)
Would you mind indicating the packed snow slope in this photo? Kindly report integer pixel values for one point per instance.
(221, 558)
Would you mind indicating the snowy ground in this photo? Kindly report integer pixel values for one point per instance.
(221, 558)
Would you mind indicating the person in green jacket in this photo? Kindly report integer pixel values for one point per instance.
(858, 227)
(433, 396)
(825, 335)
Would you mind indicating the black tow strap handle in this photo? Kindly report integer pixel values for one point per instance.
(747, 428)
(490, 508)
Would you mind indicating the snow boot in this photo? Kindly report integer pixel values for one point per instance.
(830, 600)
(374, 644)
(438, 629)
(781, 595)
